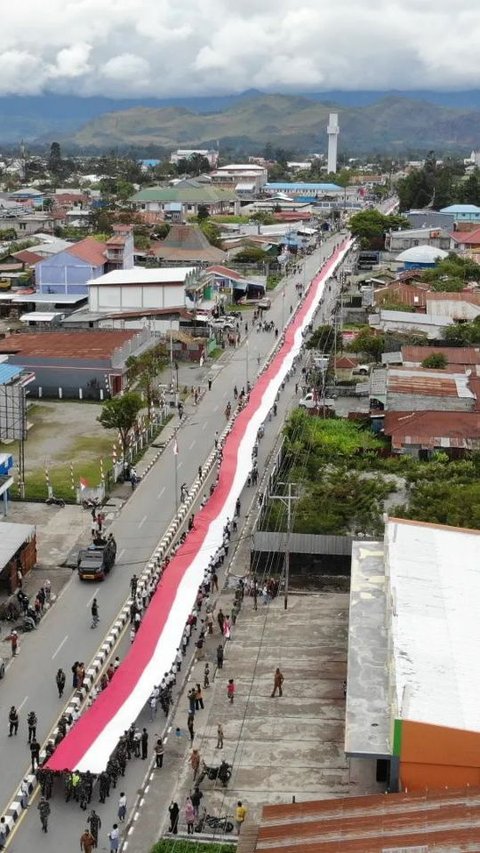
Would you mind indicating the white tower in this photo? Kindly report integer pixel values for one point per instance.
(332, 132)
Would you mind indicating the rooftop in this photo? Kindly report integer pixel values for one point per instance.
(12, 537)
(187, 192)
(471, 238)
(143, 275)
(461, 208)
(286, 187)
(421, 255)
(435, 582)
(187, 242)
(445, 821)
(432, 383)
(428, 430)
(78, 344)
(454, 355)
(90, 250)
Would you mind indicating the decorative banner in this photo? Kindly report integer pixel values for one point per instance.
(72, 478)
(102, 472)
(94, 736)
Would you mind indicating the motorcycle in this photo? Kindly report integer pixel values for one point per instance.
(223, 773)
(54, 501)
(221, 823)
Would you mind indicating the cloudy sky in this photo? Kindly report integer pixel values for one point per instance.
(181, 47)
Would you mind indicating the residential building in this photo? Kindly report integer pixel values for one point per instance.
(226, 281)
(430, 219)
(463, 306)
(141, 288)
(186, 244)
(82, 364)
(246, 179)
(411, 295)
(69, 271)
(413, 706)
(466, 242)
(458, 358)
(421, 257)
(210, 154)
(421, 389)
(303, 190)
(191, 195)
(420, 434)
(432, 325)
(397, 241)
(463, 212)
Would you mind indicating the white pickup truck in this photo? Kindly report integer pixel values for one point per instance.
(313, 401)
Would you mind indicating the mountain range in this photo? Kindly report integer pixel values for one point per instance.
(395, 122)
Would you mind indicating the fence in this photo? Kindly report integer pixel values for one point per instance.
(302, 543)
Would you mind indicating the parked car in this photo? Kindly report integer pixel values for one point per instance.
(362, 370)
(265, 303)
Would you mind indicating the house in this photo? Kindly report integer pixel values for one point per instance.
(186, 244)
(422, 389)
(344, 365)
(76, 364)
(18, 554)
(69, 271)
(303, 190)
(191, 195)
(411, 295)
(463, 306)
(397, 241)
(238, 286)
(246, 179)
(412, 705)
(142, 288)
(430, 219)
(458, 358)
(431, 325)
(463, 212)
(420, 434)
(210, 154)
(466, 242)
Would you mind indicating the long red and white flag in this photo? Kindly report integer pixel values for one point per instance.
(94, 736)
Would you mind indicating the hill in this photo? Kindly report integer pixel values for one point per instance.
(394, 123)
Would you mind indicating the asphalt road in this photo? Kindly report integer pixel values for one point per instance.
(64, 635)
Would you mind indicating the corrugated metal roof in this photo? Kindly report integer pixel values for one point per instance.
(432, 383)
(12, 537)
(446, 820)
(454, 355)
(9, 372)
(77, 344)
(433, 429)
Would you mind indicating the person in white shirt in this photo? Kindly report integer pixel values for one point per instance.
(122, 807)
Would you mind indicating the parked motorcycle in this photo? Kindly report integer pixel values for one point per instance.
(212, 822)
(223, 773)
(54, 501)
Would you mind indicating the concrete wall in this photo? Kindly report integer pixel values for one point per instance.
(63, 273)
(133, 297)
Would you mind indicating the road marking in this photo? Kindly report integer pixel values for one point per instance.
(204, 425)
(60, 646)
(226, 393)
(23, 703)
(215, 408)
(161, 493)
(192, 445)
(93, 596)
(142, 522)
(121, 553)
(179, 464)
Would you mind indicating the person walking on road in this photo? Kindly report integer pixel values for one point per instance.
(133, 585)
(174, 812)
(3, 833)
(144, 743)
(32, 726)
(35, 754)
(95, 823)
(159, 752)
(44, 811)
(12, 721)
(122, 807)
(87, 842)
(189, 816)
(195, 760)
(94, 612)
(277, 683)
(13, 637)
(60, 679)
(114, 838)
(231, 690)
(219, 737)
(240, 815)
(220, 656)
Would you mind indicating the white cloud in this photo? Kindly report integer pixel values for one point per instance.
(135, 47)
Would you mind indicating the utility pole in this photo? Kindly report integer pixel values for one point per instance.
(287, 501)
(246, 363)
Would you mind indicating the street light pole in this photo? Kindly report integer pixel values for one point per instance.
(287, 501)
(246, 361)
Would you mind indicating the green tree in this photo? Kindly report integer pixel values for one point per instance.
(54, 163)
(369, 343)
(212, 232)
(436, 361)
(143, 371)
(323, 339)
(202, 213)
(370, 227)
(121, 413)
(250, 255)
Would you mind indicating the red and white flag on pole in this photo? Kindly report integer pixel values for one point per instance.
(175, 448)
(83, 483)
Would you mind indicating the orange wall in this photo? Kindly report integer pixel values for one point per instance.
(437, 757)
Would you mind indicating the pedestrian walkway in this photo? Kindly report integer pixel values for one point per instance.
(279, 747)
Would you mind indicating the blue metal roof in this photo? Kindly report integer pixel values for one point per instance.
(9, 372)
(283, 187)
(461, 208)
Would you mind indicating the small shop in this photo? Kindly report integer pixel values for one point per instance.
(18, 554)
